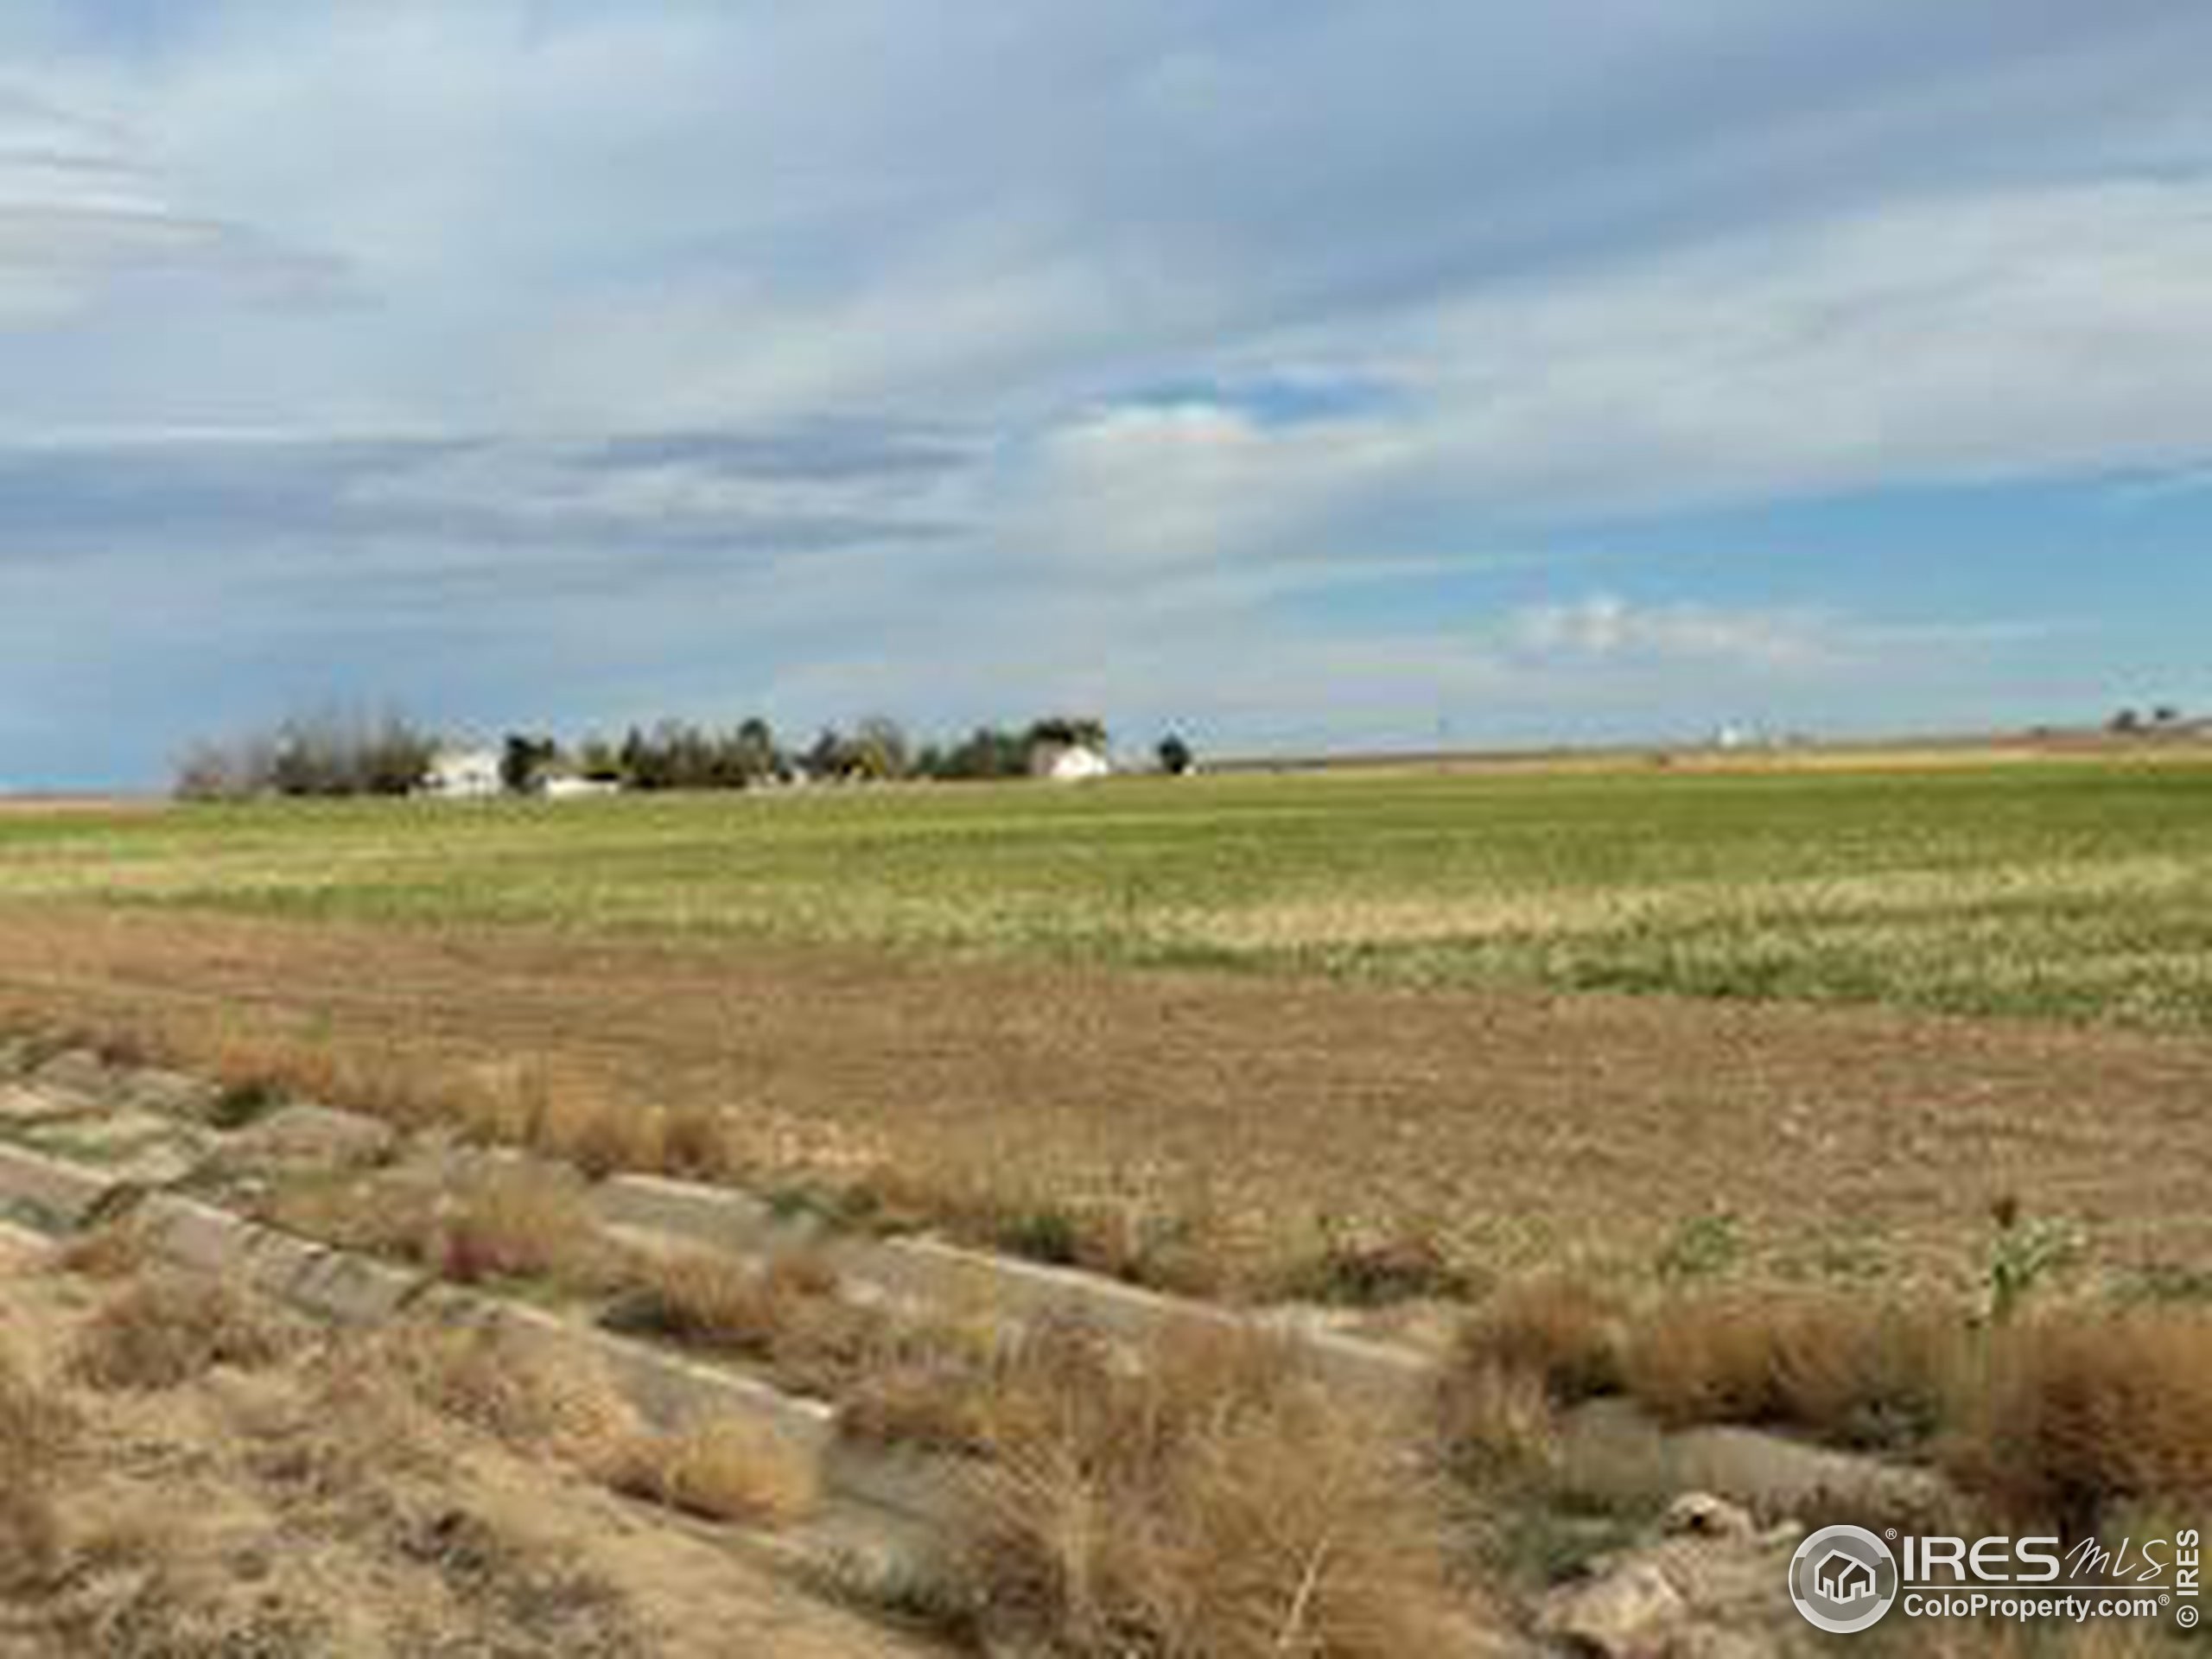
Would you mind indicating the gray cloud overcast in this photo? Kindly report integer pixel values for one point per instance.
(789, 339)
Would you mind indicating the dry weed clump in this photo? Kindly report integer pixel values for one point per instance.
(475, 1376)
(1850, 1370)
(471, 1375)
(1136, 1238)
(517, 1221)
(33, 1429)
(790, 1316)
(114, 1249)
(2086, 1412)
(1497, 1422)
(723, 1470)
(517, 1104)
(2058, 1418)
(166, 1330)
(1208, 1500)
(1567, 1336)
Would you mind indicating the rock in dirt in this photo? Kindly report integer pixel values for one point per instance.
(1700, 1515)
(304, 1139)
(1627, 1611)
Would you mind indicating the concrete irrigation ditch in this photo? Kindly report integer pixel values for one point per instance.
(84, 1143)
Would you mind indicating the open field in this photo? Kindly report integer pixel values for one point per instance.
(1015, 994)
(2076, 887)
(1644, 1103)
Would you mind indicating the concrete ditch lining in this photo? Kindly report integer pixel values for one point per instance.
(57, 1195)
(931, 1272)
(53, 1200)
(918, 1271)
(893, 1495)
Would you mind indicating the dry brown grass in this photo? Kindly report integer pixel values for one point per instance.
(1567, 1336)
(33, 1429)
(1210, 1501)
(2059, 1418)
(1848, 1370)
(473, 1376)
(724, 1470)
(529, 1105)
(789, 1317)
(475, 1220)
(167, 1329)
(113, 1250)
(1497, 1423)
(721, 1470)
(521, 1220)
(2083, 1414)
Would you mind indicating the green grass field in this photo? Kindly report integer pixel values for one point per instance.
(2078, 888)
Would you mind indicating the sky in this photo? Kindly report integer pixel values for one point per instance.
(1293, 373)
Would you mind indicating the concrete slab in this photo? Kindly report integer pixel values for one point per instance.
(141, 1147)
(80, 1071)
(303, 1139)
(719, 1218)
(668, 1390)
(53, 1195)
(930, 1273)
(172, 1093)
(19, 1247)
(923, 1487)
(21, 1105)
(340, 1286)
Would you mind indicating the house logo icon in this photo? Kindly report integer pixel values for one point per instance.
(1843, 1580)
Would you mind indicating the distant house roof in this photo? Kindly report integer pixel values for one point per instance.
(1067, 763)
(463, 772)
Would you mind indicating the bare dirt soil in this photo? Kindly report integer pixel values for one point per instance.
(1520, 1128)
(239, 1512)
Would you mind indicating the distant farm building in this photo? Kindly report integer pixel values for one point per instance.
(563, 786)
(1068, 763)
(464, 775)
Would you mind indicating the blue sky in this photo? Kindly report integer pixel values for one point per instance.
(1292, 372)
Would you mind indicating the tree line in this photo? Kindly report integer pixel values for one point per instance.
(340, 756)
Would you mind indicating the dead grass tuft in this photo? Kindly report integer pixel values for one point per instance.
(166, 1330)
(473, 1376)
(1498, 1422)
(1208, 1501)
(723, 1470)
(790, 1317)
(1852, 1371)
(1404, 1267)
(33, 1429)
(2085, 1413)
(696, 1144)
(1568, 1336)
(517, 1221)
(114, 1250)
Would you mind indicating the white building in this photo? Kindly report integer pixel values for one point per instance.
(1068, 763)
(564, 787)
(464, 775)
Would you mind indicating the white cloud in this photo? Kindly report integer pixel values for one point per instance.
(1579, 265)
(1604, 626)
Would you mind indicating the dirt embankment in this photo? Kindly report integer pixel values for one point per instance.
(283, 1500)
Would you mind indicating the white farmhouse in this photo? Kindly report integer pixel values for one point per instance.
(1068, 763)
(463, 775)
